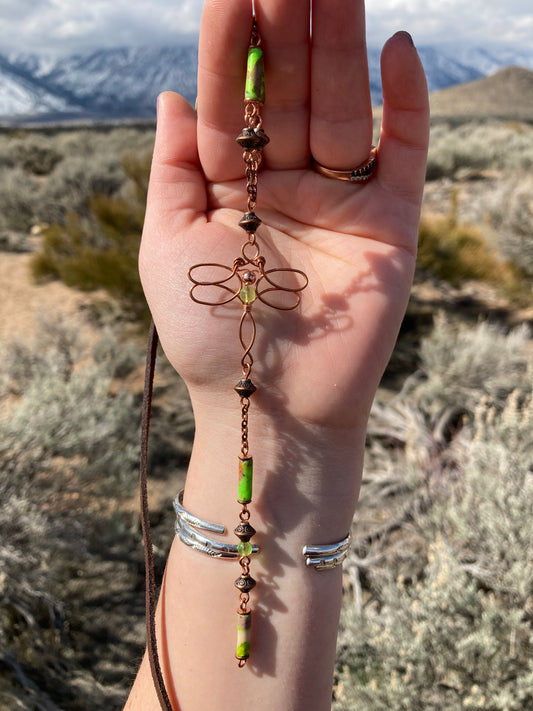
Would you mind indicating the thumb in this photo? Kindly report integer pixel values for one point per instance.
(176, 192)
(405, 124)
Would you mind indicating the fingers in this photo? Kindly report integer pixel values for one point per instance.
(405, 124)
(223, 46)
(284, 28)
(328, 73)
(224, 39)
(317, 90)
(176, 194)
(341, 112)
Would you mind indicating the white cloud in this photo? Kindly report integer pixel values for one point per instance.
(67, 25)
(473, 21)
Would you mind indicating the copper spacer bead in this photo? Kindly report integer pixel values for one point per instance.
(252, 139)
(261, 137)
(245, 388)
(244, 531)
(245, 583)
(250, 222)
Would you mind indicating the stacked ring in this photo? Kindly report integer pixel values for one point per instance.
(361, 174)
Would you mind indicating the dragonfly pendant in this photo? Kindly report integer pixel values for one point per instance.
(248, 281)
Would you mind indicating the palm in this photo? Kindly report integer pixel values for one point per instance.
(355, 243)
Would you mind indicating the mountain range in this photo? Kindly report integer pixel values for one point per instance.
(123, 83)
(507, 94)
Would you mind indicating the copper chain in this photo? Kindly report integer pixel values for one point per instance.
(245, 404)
(252, 158)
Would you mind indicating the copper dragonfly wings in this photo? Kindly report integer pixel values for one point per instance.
(247, 280)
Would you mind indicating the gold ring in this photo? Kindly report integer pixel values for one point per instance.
(360, 174)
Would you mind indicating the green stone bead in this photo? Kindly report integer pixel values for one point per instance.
(243, 650)
(246, 469)
(255, 76)
(248, 294)
(244, 548)
(244, 630)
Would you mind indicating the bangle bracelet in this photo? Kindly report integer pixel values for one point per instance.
(188, 525)
(320, 557)
(328, 556)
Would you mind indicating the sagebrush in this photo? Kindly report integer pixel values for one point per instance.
(441, 619)
(67, 438)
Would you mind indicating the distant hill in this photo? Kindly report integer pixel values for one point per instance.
(506, 94)
(123, 82)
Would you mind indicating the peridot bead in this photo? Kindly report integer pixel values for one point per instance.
(248, 294)
(246, 468)
(255, 76)
(244, 548)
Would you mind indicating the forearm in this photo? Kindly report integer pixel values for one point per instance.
(306, 482)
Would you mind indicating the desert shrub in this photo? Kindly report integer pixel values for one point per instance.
(100, 250)
(36, 154)
(66, 439)
(87, 143)
(64, 411)
(461, 366)
(479, 146)
(73, 183)
(45, 176)
(454, 251)
(18, 194)
(14, 241)
(511, 216)
(451, 150)
(442, 620)
(32, 616)
(6, 157)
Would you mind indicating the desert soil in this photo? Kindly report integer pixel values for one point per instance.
(23, 303)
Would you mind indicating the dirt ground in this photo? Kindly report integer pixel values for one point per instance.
(23, 303)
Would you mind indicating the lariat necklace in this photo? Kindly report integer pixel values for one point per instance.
(248, 280)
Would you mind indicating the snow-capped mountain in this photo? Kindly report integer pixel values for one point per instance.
(22, 93)
(449, 64)
(108, 83)
(124, 82)
(488, 59)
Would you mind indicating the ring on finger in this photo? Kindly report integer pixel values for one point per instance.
(360, 174)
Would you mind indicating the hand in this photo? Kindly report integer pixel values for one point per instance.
(356, 243)
(316, 368)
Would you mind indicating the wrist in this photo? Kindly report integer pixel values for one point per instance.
(306, 477)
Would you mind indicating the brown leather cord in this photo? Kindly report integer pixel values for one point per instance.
(151, 601)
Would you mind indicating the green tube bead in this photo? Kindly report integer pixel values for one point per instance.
(255, 76)
(246, 470)
(244, 633)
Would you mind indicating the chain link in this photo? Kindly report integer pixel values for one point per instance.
(245, 405)
(252, 115)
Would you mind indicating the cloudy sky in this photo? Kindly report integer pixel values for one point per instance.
(69, 25)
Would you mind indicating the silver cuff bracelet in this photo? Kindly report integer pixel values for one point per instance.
(188, 525)
(327, 556)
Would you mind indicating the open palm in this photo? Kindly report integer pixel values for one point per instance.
(356, 243)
